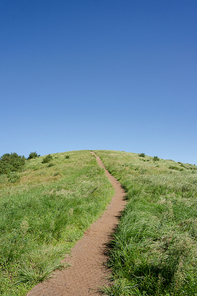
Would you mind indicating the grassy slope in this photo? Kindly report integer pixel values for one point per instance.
(155, 247)
(44, 210)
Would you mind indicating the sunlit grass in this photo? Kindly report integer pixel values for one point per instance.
(44, 212)
(154, 251)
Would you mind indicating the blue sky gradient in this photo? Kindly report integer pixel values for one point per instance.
(103, 74)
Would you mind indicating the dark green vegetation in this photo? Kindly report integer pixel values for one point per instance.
(47, 158)
(154, 251)
(44, 212)
(33, 155)
(11, 163)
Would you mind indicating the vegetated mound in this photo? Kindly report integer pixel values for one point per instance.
(154, 250)
(11, 162)
(33, 155)
(44, 213)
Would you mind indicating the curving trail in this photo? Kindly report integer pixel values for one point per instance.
(87, 271)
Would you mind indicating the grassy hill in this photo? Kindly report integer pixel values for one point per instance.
(47, 205)
(154, 251)
(44, 209)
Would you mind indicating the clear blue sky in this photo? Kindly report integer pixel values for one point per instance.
(99, 74)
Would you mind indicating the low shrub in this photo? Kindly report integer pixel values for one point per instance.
(47, 158)
(11, 163)
(155, 158)
(33, 155)
(50, 165)
(173, 167)
(141, 155)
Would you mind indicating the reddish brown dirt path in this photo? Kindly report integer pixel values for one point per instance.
(87, 271)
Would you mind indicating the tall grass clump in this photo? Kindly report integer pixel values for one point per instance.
(154, 250)
(44, 213)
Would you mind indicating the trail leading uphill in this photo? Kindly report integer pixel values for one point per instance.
(87, 271)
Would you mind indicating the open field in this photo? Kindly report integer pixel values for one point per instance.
(44, 210)
(154, 251)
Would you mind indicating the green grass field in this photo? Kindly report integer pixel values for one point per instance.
(44, 210)
(154, 251)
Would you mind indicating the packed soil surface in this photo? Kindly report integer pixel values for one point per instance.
(87, 271)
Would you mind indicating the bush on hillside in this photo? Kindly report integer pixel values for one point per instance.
(47, 158)
(11, 163)
(33, 155)
(155, 158)
(174, 167)
(141, 155)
